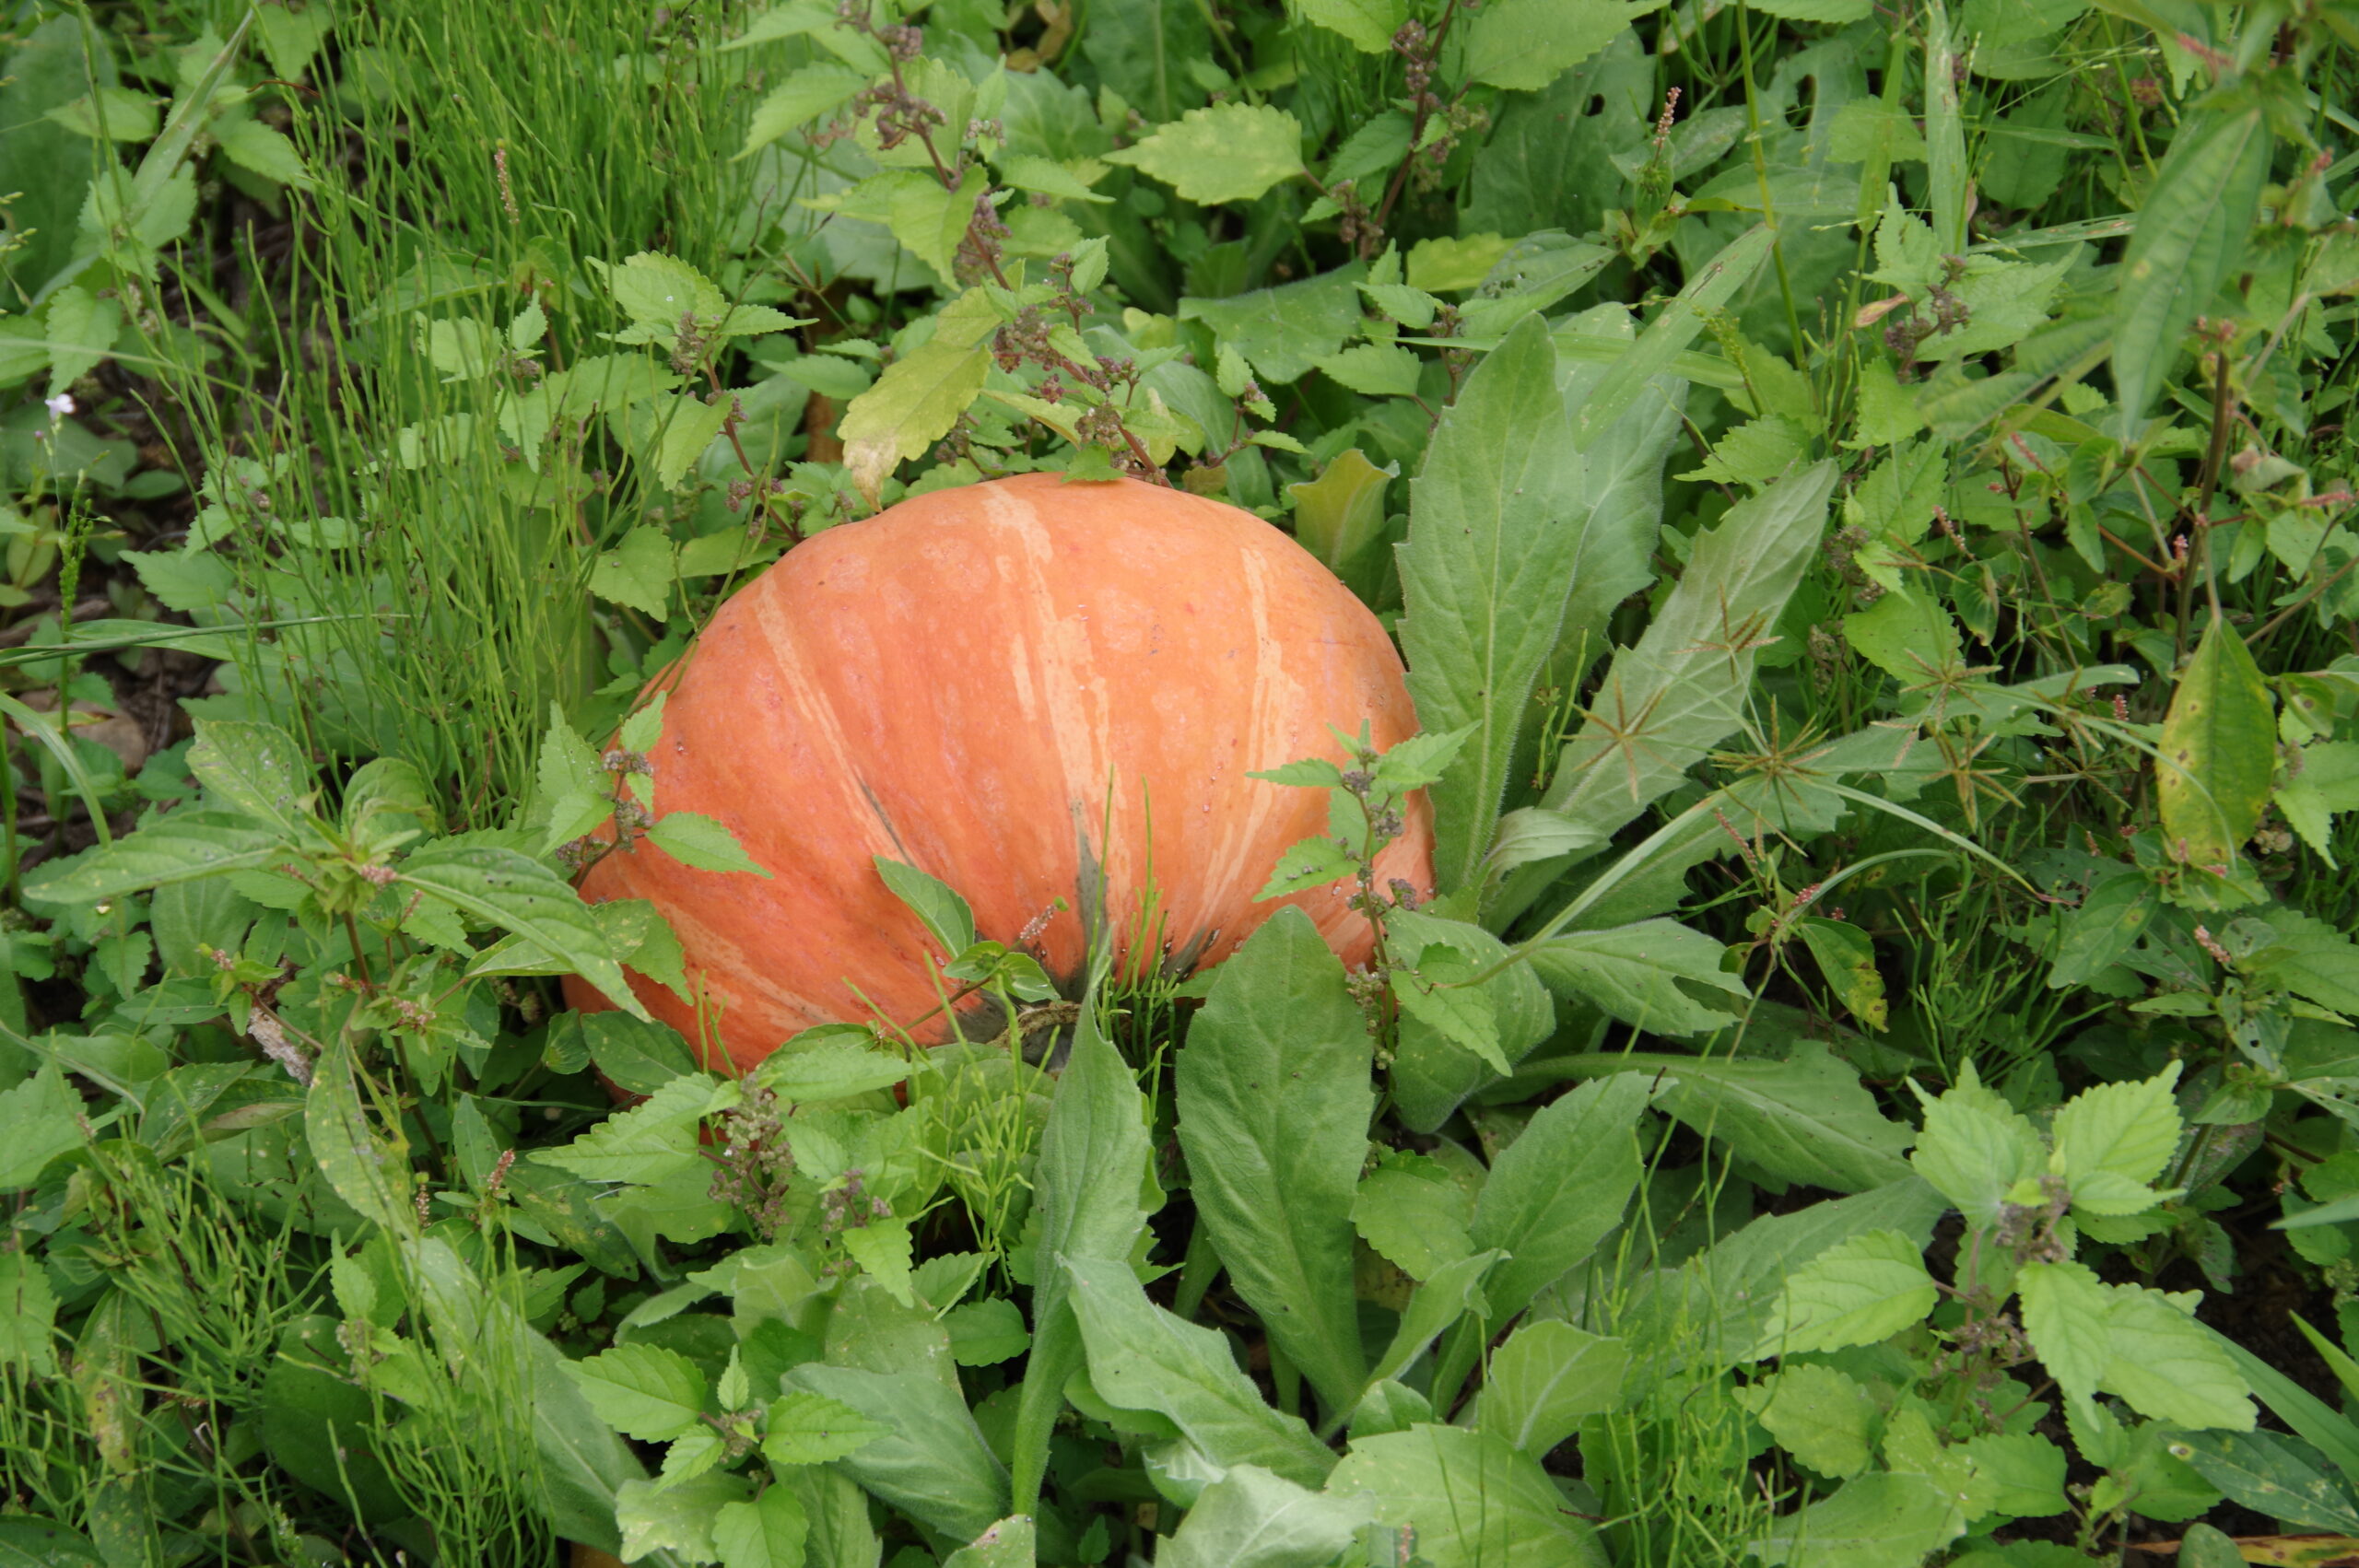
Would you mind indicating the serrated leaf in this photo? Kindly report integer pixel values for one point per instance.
(1875, 1519)
(948, 916)
(1632, 973)
(810, 1429)
(637, 572)
(644, 1143)
(1818, 1415)
(1974, 1148)
(1555, 1191)
(770, 1532)
(364, 1168)
(1856, 1292)
(520, 894)
(177, 847)
(1526, 44)
(702, 842)
(2167, 1366)
(920, 396)
(883, 1251)
(2064, 1310)
(40, 1119)
(809, 93)
(642, 1391)
(1367, 24)
(1375, 369)
(1229, 152)
(2126, 1131)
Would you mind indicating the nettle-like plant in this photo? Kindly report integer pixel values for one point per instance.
(1906, 1388)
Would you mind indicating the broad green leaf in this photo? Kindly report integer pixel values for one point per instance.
(1948, 175)
(1558, 1188)
(1818, 1415)
(1710, 288)
(842, 1535)
(1806, 1118)
(1340, 515)
(1413, 1215)
(884, 1250)
(984, 1333)
(40, 1119)
(1086, 1188)
(1143, 1357)
(2198, 214)
(946, 916)
(2064, 1308)
(260, 149)
(825, 1071)
(637, 1057)
(1274, 1100)
(1875, 1521)
(177, 847)
(1856, 1292)
(676, 1519)
(1431, 1076)
(520, 894)
(1250, 1518)
(642, 1391)
(364, 1169)
(1285, 330)
(1013, 1542)
(27, 1317)
(1474, 1501)
(1441, 994)
(82, 328)
(1230, 152)
(806, 1429)
(1631, 972)
(1369, 24)
(1832, 12)
(255, 768)
(1453, 1292)
(1713, 1308)
(2218, 749)
(648, 1143)
(1907, 635)
(1526, 44)
(809, 93)
(1546, 1379)
(637, 572)
(1375, 369)
(1973, 1149)
(702, 842)
(2106, 925)
(1847, 957)
(117, 115)
(932, 1464)
(768, 1532)
(1493, 542)
(920, 396)
(2113, 1139)
(2310, 958)
(2167, 1366)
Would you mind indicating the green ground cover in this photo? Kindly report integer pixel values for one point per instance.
(1863, 494)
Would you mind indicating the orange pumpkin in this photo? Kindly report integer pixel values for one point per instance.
(1030, 690)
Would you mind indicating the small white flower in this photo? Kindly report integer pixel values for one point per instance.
(59, 407)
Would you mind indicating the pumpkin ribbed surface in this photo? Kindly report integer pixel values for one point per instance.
(1032, 691)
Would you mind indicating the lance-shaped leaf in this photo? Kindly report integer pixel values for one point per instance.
(2218, 750)
(1485, 574)
(1274, 1100)
(917, 400)
(2199, 212)
(178, 846)
(520, 894)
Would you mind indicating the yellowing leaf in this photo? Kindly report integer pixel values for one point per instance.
(2218, 750)
(917, 401)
